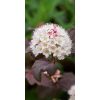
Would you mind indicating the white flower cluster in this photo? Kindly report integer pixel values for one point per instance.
(71, 92)
(51, 39)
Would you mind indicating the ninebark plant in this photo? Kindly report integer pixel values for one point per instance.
(50, 43)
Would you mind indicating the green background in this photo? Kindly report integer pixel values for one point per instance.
(38, 12)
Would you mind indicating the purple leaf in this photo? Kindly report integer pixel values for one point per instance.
(27, 49)
(29, 60)
(42, 65)
(30, 78)
(67, 80)
(51, 69)
(27, 46)
(45, 81)
(26, 43)
(72, 36)
(38, 67)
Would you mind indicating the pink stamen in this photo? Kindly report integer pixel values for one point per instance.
(53, 32)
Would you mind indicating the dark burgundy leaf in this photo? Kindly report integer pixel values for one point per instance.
(45, 81)
(26, 43)
(72, 36)
(45, 92)
(51, 68)
(27, 46)
(30, 78)
(29, 60)
(67, 80)
(37, 68)
(41, 66)
(27, 49)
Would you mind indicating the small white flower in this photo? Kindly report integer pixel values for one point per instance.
(39, 48)
(46, 52)
(35, 52)
(52, 48)
(72, 97)
(57, 52)
(71, 92)
(51, 39)
(61, 57)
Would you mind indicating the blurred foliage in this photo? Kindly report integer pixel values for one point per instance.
(38, 12)
(30, 94)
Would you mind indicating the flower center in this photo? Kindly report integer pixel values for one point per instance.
(53, 32)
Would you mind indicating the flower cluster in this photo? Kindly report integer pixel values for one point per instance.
(51, 39)
(71, 92)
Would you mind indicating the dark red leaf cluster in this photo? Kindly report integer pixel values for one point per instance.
(36, 76)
